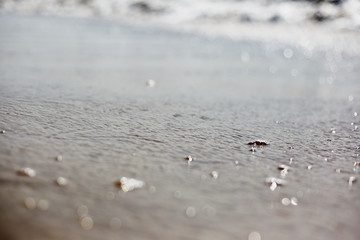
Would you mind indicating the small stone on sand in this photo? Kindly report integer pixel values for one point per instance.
(2, 131)
(189, 159)
(214, 174)
(28, 172)
(258, 143)
(58, 158)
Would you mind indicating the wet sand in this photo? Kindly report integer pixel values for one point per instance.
(77, 88)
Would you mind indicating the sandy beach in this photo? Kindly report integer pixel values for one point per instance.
(80, 89)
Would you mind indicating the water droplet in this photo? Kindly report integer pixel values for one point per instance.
(43, 205)
(177, 194)
(82, 211)
(150, 83)
(110, 196)
(190, 212)
(210, 211)
(28, 172)
(152, 189)
(61, 181)
(300, 194)
(86, 222)
(58, 158)
(245, 57)
(288, 53)
(285, 201)
(30, 203)
(115, 223)
(254, 236)
(272, 69)
(294, 72)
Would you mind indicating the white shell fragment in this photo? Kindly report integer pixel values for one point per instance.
(129, 184)
(352, 179)
(28, 172)
(214, 174)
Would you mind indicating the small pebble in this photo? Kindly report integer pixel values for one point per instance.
(2, 131)
(253, 149)
(189, 159)
(28, 172)
(43, 205)
(258, 143)
(58, 158)
(356, 164)
(355, 114)
(291, 160)
(283, 167)
(61, 181)
(30, 203)
(309, 167)
(86, 222)
(214, 174)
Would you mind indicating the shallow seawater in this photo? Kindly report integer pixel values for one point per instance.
(77, 89)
